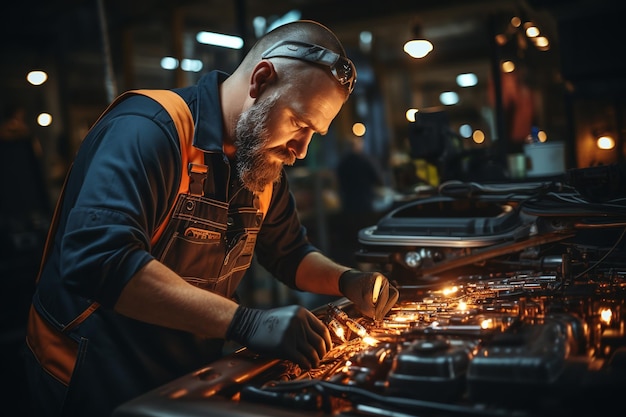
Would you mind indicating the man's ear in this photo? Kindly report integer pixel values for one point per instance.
(263, 75)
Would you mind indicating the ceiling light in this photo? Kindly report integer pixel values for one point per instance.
(418, 48)
(219, 39)
(44, 119)
(37, 77)
(467, 80)
(169, 63)
(605, 142)
(449, 98)
(191, 65)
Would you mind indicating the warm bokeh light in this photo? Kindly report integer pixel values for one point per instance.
(532, 31)
(478, 136)
(508, 66)
(605, 142)
(410, 114)
(542, 136)
(605, 315)
(369, 340)
(358, 129)
(542, 43)
(450, 290)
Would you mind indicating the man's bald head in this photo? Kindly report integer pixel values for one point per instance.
(301, 30)
(294, 69)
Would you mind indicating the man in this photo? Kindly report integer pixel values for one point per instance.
(136, 315)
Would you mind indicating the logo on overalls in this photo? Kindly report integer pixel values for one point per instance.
(201, 234)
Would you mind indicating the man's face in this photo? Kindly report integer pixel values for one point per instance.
(277, 129)
(257, 164)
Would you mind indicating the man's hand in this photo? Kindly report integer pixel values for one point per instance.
(370, 292)
(291, 332)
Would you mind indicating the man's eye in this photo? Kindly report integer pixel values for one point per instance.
(299, 125)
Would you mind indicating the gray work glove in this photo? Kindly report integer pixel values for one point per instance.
(291, 332)
(370, 292)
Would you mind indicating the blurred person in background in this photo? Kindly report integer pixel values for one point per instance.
(359, 181)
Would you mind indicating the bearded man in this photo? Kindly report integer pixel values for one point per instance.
(138, 282)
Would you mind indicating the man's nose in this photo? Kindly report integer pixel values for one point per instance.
(300, 145)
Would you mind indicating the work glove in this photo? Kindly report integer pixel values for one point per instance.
(370, 292)
(291, 332)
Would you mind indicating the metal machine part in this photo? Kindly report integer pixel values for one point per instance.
(530, 323)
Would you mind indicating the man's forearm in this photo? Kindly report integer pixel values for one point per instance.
(319, 274)
(157, 295)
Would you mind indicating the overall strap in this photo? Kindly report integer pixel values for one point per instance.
(179, 111)
(183, 120)
(55, 351)
(191, 157)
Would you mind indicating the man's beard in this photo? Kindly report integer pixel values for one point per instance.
(255, 164)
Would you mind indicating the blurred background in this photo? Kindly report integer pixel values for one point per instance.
(506, 90)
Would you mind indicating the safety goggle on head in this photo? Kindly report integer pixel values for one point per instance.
(341, 67)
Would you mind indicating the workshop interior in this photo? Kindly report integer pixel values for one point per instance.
(500, 212)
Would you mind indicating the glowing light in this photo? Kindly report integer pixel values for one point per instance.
(449, 98)
(219, 39)
(542, 136)
(169, 63)
(418, 48)
(450, 290)
(192, 65)
(358, 129)
(410, 114)
(532, 31)
(44, 119)
(179, 393)
(605, 315)
(37, 77)
(508, 66)
(486, 324)
(605, 142)
(465, 131)
(478, 136)
(467, 80)
(542, 43)
(369, 340)
(462, 306)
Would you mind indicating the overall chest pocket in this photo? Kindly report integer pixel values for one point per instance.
(206, 243)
